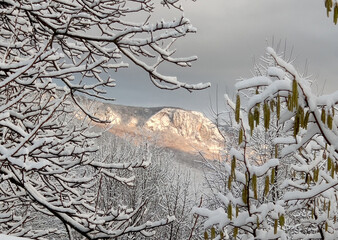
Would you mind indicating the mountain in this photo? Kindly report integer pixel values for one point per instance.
(188, 131)
(183, 130)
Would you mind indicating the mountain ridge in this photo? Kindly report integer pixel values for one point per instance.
(171, 127)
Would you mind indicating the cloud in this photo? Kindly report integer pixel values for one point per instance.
(231, 34)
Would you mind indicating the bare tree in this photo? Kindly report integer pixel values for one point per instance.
(50, 51)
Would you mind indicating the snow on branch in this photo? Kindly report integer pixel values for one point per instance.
(281, 175)
(52, 55)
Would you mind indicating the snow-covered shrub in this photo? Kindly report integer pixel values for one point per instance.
(285, 186)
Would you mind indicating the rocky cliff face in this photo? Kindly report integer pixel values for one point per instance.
(184, 130)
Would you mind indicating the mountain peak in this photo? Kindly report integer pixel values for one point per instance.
(194, 127)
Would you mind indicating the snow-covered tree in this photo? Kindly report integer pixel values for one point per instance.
(50, 51)
(165, 189)
(285, 187)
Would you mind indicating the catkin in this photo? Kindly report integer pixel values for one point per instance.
(235, 232)
(237, 110)
(213, 233)
(296, 125)
(273, 173)
(230, 211)
(276, 151)
(266, 186)
(266, 111)
(272, 105)
(245, 195)
(229, 183)
(329, 163)
(256, 115)
(237, 210)
(254, 185)
(206, 236)
(323, 116)
(315, 174)
(294, 93)
(329, 122)
(251, 122)
(281, 220)
(275, 227)
(290, 105)
(240, 137)
(278, 107)
(233, 167)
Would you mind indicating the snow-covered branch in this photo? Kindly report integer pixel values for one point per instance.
(282, 173)
(52, 52)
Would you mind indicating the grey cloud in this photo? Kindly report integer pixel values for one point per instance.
(230, 35)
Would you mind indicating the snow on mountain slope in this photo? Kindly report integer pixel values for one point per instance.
(187, 131)
(175, 128)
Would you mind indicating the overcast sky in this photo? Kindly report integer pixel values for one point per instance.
(231, 35)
